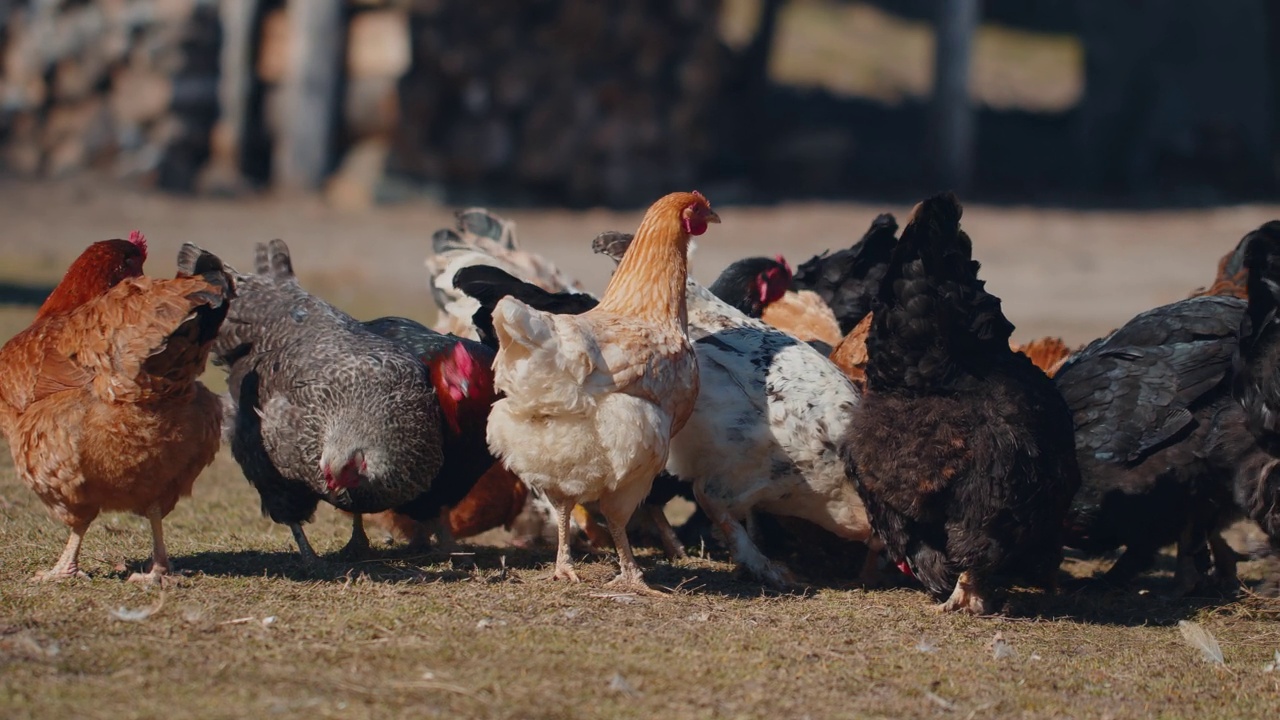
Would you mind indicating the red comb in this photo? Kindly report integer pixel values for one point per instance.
(783, 262)
(137, 238)
(700, 196)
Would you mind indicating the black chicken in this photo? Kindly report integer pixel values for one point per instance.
(847, 280)
(963, 450)
(1158, 438)
(1257, 381)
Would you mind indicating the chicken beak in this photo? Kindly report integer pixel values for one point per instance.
(710, 216)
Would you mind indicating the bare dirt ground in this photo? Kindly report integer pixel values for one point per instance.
(251, 632)
(1072, 273)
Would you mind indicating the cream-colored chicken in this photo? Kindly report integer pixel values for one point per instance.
(592, 400)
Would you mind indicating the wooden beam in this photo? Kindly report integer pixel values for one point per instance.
(223, 173)
(954, 127)
(303, 150)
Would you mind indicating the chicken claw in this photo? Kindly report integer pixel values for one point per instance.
(67, 567)
(965, 597)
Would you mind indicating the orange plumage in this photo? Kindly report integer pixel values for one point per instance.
(803, 315)
(851, 354)
(1047, 353)
(99, 399)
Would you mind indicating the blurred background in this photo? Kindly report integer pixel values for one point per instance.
(1083, 134)
(580, 103)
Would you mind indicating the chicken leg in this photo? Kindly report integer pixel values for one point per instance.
(564, 561)
(160, 566)
(617, 508)
(67, 565)
(304, 546)
(357, 548)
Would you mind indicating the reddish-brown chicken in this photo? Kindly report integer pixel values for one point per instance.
(851, 354)
(99, 399)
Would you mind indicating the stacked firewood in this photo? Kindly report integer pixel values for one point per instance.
(582, 102)
(129, 85)
(576, 102)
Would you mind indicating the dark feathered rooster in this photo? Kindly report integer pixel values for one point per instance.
(963, 450)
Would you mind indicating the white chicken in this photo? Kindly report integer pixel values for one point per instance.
(763, 432)
(592, 400)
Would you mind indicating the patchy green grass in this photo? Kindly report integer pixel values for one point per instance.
(250, 632)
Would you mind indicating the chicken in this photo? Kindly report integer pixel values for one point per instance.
(1256, 382)
(99, 397)
(1046, 353)
(486, 285)
(482, 238)
(804, 316)
(750, 285)
(320, 407)
(463, 380)
(1232, 277)
(592, 400)
(496, 500)
(1158, 438)
(963, 450)
(758, 288)
(847, 280)
(489, 285)
(763, 434)
(851, 354)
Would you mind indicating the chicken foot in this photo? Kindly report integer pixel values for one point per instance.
(68, 563)
(357, 548)
(966, 597)
(160, 566)
(630, 577)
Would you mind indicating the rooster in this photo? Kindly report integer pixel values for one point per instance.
(320, 407)
(592, 400)
(963, 450)
(99, 397)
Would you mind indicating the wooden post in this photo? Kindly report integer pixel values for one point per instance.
(223, 173)
(953, 115)
(310, 90)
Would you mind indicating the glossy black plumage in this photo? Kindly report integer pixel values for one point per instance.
(848, 280)
(1158, 437)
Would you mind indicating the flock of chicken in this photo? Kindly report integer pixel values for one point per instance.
(874, 394)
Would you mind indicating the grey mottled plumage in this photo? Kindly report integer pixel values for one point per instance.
(311, 388)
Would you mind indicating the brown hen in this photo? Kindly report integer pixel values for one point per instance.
(99, 399)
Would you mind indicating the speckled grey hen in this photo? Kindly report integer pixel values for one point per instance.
(321, 408)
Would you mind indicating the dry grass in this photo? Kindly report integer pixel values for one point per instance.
(250, 632)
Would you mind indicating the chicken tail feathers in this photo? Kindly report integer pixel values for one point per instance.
(488, 285)
(933, 316)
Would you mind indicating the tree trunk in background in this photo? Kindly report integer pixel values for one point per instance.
(953, 115)
(310, 93)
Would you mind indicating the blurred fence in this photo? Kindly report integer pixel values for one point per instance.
(583, 102)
